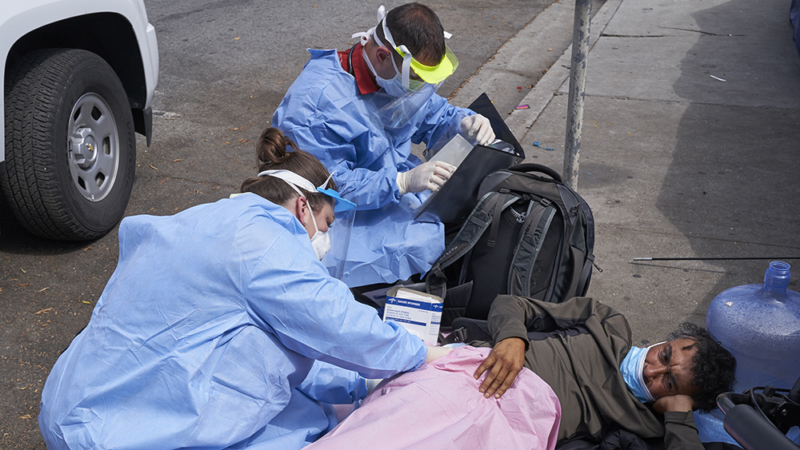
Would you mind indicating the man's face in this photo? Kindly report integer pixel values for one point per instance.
(668, 368)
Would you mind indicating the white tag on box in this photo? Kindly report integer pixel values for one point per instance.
(419, 313)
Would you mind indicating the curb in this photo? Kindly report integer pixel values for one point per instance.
(521, 120)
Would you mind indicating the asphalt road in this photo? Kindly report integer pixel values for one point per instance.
(225, 65)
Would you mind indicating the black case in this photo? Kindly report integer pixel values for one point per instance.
(456, 199)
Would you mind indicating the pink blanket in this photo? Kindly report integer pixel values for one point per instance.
(439, 407)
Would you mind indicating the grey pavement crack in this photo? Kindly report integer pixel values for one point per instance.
(187, 180)
(634, 35)
(707, 33)
(688, 236)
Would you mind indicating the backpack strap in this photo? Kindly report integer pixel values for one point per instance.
(472, 229)
(471, 329)
(462, 277)
(498, 208)
(540, 216)
(458, 335)
(583, 282)
(563, 252)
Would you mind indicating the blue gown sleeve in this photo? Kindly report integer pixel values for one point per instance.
(322, 113)
(330, 384)
(441, 121)
(329, 142)
(290, 294)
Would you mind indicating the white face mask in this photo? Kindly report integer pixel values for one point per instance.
(321, 242)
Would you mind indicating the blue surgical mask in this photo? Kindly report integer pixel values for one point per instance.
(393, 86)
(632, 368)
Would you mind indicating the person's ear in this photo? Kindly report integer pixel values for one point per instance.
(382, 55)
(300, 205)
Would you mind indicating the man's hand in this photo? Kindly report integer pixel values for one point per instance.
(680, 402)
(506, 361)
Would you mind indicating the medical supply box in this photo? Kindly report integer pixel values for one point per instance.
(417, 312)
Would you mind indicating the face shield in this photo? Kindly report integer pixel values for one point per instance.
(339, 231)
(345, 214)
(404, 95)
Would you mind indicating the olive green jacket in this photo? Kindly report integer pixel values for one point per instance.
(577, 347)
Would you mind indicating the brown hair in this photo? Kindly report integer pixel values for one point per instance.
(418, 28)
(272, 154)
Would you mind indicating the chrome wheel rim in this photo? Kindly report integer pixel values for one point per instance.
(93, 148)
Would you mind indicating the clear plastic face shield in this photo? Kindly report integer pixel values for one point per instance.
(331, 245)
(413, 84)
(345, 213)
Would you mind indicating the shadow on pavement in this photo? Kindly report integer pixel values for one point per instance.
(15, 239)
(732, 187)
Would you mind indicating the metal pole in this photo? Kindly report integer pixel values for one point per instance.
(577, 90)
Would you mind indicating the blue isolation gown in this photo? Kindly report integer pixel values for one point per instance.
(218, 329)
(324, 113)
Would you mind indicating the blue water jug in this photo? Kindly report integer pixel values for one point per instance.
(760, 325)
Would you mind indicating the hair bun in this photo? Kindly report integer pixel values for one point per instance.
(271, 148)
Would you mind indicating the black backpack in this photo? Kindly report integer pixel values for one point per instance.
(529, 235)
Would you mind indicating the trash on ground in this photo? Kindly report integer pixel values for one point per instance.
(523, 107)
(539, 144)
(717, 78)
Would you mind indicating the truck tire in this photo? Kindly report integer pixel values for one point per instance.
(70, 148)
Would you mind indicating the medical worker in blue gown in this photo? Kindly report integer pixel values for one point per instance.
(358, 111)
(220, 328)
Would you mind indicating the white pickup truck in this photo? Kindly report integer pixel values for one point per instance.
(78, 79)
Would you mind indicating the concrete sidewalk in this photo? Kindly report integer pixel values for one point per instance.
(690, 148)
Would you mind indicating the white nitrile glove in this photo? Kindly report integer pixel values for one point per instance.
(435, 353)
(477, 128)
(372, 383)
(430, 175)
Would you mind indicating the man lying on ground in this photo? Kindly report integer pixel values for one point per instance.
(581, 352)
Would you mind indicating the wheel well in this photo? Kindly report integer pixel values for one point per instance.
(108, 35)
